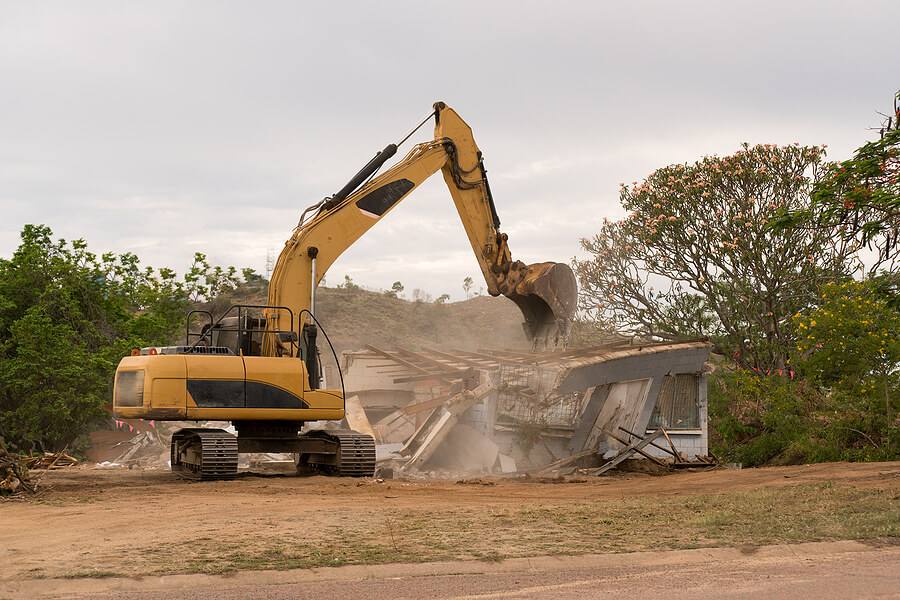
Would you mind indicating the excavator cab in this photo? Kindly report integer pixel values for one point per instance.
(241, 335)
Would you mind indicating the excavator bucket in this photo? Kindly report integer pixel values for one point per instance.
(547, 297)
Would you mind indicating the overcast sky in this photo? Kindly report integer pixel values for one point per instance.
(166, 128)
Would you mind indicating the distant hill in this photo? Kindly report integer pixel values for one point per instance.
(355, 317)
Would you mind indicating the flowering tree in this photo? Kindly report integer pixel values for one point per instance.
(851, 342)
(696, 256)
(861, 196)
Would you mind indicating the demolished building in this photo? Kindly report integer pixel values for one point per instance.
(532, 408)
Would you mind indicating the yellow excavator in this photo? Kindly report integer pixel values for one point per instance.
(259, 366)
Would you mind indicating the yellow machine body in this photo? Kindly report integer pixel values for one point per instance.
(220, 388)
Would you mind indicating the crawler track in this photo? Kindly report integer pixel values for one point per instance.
(356, 456)
(204, 454)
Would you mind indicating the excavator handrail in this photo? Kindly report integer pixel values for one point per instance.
(240, 329)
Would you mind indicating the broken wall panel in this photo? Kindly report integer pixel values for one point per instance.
(622, 406)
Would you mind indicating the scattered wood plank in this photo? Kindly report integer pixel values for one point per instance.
(569, 460)
(427, 405)
(356, 416)
(639, 449)
(673, 451)
(12, 475)
(671, 445)
(621, 456)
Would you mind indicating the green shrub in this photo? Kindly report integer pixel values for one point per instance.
(758, 419)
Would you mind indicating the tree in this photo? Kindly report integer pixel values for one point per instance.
(205, 282)
(395, 290)
(253, 279)
(348, 284)
(467, 285)
(66, 318)
(860, 197)
(420, 296)
(851, 342)
(695, 256)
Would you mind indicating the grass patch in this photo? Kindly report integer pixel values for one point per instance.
(90, 574)
(741, 519)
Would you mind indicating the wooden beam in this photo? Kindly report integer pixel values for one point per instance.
(466, 361)
(631, 449)
(673, 452)
(405, 363)
(638, 447)
(428, 404)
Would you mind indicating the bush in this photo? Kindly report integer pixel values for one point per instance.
(759, 419)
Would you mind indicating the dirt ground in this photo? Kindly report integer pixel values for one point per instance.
(93, 522)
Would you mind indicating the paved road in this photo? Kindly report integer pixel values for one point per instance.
(823, 571)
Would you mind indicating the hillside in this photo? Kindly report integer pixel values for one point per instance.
(353, 318)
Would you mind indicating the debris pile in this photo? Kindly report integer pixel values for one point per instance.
(15, 469)
(134, 443)
(552, 413)
(50, 461)
(13, 473)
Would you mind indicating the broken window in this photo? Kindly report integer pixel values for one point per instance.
(527, 393)
(677, 405)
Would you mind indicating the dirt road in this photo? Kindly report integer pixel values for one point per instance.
(824, 571)
(93, 523)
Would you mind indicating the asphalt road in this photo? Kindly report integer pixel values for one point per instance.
(820, 570)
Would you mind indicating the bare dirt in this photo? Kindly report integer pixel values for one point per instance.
(91, 522)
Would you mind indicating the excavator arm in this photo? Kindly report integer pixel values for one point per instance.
(545, 292)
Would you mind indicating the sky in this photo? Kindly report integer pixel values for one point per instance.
(169, 128)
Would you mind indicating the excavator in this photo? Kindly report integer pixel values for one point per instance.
(259, 367)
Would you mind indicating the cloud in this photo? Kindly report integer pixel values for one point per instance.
(170, 128)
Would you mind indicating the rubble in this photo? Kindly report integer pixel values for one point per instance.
(13, 473)
(550, 413)
(50, 460)
(133, 444)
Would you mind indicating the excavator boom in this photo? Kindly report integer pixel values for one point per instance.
(545, 292)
